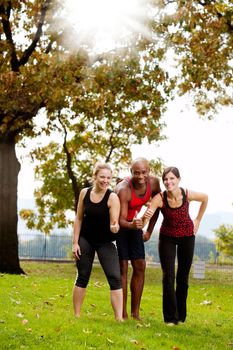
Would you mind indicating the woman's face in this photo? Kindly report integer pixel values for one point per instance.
(170, 181)
(103, 178)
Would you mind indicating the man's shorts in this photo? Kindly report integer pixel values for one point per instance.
(130, 244)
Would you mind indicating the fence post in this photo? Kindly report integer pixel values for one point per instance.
(199, 269)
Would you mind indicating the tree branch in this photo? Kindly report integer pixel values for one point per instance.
(228, 15)
(27, 53)
(5, 14)
(75, 187)
(112, 146)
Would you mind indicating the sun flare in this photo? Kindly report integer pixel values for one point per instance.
(105, 23)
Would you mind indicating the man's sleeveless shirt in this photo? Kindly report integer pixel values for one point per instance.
(96, 221)
(136, 202)
(176, 221)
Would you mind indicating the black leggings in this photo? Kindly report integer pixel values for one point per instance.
(108, 258)
(174, 301)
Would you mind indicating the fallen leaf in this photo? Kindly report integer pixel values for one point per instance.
(15, 301)
(110, 341)
(206, 302)
(24, 321)
(139, 325)
(147, 325)
(97, 284)
(87, 331)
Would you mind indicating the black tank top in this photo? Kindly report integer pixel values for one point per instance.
(96, 221)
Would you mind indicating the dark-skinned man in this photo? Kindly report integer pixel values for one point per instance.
(135, 192)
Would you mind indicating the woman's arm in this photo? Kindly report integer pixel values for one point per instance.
(203, 199)
(114, 212)
(77, 224)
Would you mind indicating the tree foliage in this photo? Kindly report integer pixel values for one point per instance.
(119, 104)
(38, 71)
(199, 38)
(224, 241)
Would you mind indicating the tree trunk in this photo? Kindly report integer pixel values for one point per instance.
(9, 169)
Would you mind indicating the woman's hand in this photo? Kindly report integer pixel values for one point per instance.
(146, 236)
(114, 227)
(76, 251)
(196, 224)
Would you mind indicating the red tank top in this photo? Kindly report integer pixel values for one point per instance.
(137, 202)
(176, 221)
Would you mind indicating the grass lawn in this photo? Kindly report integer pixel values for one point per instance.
(36, 313)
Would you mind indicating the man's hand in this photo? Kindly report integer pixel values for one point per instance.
(146, 236)
(149, 213)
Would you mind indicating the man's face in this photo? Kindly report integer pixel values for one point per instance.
(140, 172)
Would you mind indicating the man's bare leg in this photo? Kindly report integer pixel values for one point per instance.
(136, 286)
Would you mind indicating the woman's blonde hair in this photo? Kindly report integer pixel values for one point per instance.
(100, 166)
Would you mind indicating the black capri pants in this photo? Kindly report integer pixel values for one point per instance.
(108, 258)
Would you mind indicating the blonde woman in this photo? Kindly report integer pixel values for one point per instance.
(95, 228)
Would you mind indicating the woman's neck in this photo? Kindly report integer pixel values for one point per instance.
(98, 190)
(175, 194)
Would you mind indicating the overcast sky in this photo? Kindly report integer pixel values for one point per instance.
(201, 149)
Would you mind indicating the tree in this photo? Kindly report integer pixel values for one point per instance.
(120, 104)
(199, 38)
(37, 72)
(32, 76)
(224, 241)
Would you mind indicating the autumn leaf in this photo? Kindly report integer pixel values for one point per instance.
(206, 302)
(110, 341)
(87, 331)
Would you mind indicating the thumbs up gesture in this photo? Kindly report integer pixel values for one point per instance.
(114, 227)
(149, 212)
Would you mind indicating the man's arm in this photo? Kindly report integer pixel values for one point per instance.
(124, 194)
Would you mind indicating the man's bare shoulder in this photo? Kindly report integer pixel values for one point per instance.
(122, 186)
(154, 182)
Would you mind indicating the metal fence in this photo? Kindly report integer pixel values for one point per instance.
(36, 246)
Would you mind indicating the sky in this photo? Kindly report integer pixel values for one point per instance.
(201, 149)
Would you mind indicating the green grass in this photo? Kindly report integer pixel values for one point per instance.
(36, 313)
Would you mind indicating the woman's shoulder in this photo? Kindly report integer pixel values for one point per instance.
(158, 199)
(84, 191)
(113, 195)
